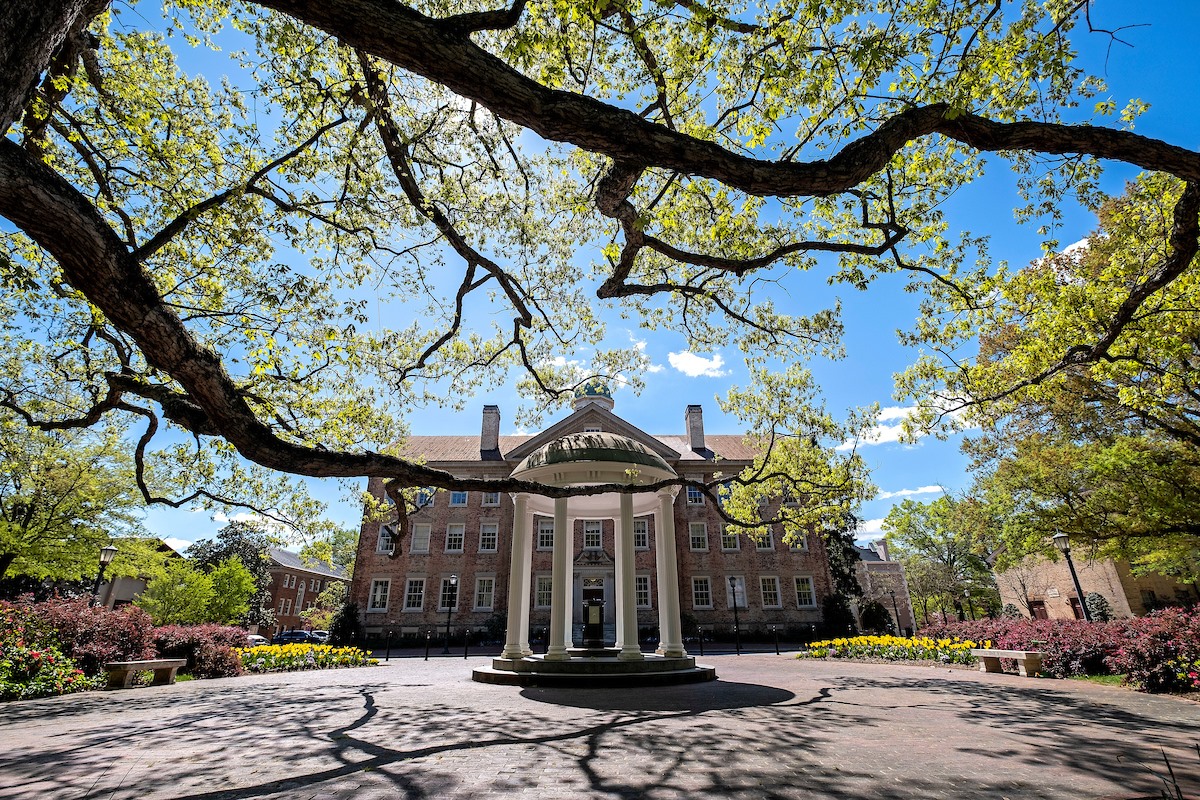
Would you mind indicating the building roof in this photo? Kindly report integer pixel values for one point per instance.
(290, 560)
(597, 446)
(433, 449)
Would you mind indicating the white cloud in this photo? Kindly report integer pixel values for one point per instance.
(178, 545)
(640, 344)
(869, 530)
(910, 492)
(695, 366)
(882, 434)
(241, 516)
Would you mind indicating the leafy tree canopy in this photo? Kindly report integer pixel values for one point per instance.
(64, 494)
(179, 594)
(248, 543)
(233, 588)
(204, 254)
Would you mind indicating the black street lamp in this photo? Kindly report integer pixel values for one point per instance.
(451, 601)
(970, 608)
(1063, 543)
(737, 634)
(895, 609)
(107, 553)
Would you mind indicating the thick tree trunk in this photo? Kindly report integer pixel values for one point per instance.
(30, 32)
(6, 560)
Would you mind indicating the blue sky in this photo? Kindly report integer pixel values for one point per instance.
(1159, 65)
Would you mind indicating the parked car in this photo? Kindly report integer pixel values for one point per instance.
(254, 640)
(320, 637)
(292, 637)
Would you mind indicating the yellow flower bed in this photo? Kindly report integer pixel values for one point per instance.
(277, 658)
(895, 648)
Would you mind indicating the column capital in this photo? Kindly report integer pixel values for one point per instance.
(668, 491)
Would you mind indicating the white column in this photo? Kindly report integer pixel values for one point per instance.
(618, 582)
(670, 636)
(515, 643)
(527, 567)
(628, 607)
(557, 651)
(568, 587)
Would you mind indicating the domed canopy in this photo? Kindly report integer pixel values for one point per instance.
(594, 388)
(602, 448)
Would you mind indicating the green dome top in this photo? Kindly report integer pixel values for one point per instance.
(594, 388)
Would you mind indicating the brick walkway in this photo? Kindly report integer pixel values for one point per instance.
(770, 727)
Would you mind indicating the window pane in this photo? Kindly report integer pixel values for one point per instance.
(545, 591)
(698, 535)
(545, 534)
(379, 595)
(641, 591)
(591, 534)
(458, 498)
(414, 598)
(641, 535)
(695, 497)
(387, 540)
(767, 542)
(701, 593)
(804, 592)
(420, 537)
(489, 534)
(449, 594)
(454, 538)
(485, 589)
(491, 498)
(770, 591)
(729, 540)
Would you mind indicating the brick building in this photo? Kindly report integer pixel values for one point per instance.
(294, 587)
(1043, 589)
(456, 565)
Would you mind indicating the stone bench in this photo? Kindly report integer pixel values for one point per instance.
(1029, 662)
(120, 673)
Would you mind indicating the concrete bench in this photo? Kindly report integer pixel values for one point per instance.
(1029, 662)
(120, 673)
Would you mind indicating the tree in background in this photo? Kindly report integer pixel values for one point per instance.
(683, 165)
(250, 544)
(941, 543)
(63, 496)
(336, 550)
(233, 588)
(179, 594)
(326, 607)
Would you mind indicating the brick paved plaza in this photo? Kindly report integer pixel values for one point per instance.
(769, 727)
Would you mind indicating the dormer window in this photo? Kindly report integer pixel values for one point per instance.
(592, 429)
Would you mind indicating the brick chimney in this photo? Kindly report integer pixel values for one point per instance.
(880, 546)
(489, 439)
(693, 419)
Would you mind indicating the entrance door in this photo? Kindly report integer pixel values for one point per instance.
(593, 589)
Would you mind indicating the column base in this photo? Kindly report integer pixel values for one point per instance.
(512, 652)
(556, 653)
(630, 655)
(671, 651)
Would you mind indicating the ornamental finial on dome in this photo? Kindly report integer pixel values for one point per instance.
(593, 390)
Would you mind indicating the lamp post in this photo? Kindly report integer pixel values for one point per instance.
(737, 634)
(1063, 543)
(451, 600)
(895, 609)
(107, 553)
(970, 608)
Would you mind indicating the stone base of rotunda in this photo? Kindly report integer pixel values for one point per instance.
(595, 667)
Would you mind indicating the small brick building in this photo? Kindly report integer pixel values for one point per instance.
(1043, 589)
(294, 587)
(455, 565)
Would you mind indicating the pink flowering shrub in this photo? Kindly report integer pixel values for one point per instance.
(88, 636)
(209, 649)
(1162, 652)
(31, 665)
(1072, 647)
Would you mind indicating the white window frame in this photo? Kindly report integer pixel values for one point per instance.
(493, 534)
(491, 499)
(489, 592)
(767, 542)
(763, 582)
(422, 532)
(409, 592)
(543, 589)
(694, 496)
(801, 546)
(443, 594)
(593, 528)
(460, 532)
(425, 497)
(812, 592)
(386, 543)
(641, 591)
(702, 527)
(545, 527)
(459, 499)
(641, 534)
(376, 594)
(739, 590)
(706, 582)
(727, 536)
